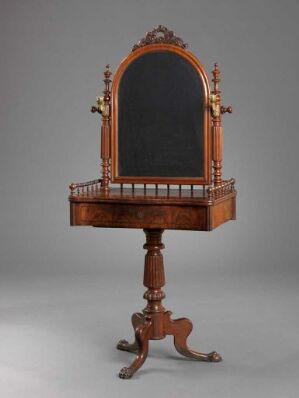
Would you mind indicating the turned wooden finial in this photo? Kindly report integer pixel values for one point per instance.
(107, 81)
(216, 79)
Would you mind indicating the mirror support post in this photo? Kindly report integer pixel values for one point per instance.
(105, 131)
(217, 149)
(217, 110)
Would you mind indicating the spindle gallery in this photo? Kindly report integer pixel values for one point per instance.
(161, 164)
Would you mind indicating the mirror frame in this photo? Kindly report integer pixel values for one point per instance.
(202, 180)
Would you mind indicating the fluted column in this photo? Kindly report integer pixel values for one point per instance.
(154, 279)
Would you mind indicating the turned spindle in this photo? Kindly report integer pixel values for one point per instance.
(216, 127)
(105, 131)
(217, 110)
(104, 108)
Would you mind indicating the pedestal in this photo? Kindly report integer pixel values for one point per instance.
(155, 323)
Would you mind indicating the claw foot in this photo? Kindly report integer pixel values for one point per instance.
(125, 373)
(214, 357)
(122, 344)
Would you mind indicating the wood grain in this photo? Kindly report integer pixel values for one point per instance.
(189, 210)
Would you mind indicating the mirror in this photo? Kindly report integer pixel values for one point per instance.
(161, 122)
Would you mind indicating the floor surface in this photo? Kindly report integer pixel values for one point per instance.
(58, 337)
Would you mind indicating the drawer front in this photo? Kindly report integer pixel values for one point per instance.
(139, 216)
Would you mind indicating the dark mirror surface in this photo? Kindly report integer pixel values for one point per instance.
(161, 118)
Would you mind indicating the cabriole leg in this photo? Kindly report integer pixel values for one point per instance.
(142, 335)
(180, 329)
(124, 345)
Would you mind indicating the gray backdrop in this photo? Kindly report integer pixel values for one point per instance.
(67, 294)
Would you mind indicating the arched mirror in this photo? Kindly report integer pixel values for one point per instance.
(160, 118)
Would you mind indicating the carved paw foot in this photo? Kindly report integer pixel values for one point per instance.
(125, 373)
(122, 345)
(214, 357)
(140, 346)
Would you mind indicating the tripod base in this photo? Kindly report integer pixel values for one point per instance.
(155, 322)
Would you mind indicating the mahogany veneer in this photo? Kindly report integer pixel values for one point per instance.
(96, 203)
(167, 209)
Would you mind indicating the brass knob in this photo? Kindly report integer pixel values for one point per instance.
(100, 105)
(224, 109)
(95, 109)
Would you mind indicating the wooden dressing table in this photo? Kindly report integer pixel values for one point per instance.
(160, 104)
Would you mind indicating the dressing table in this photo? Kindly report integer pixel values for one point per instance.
(161, 151)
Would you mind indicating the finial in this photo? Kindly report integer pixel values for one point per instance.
(107, 72)
(216, 78)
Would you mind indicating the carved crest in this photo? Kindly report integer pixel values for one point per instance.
(160, 34)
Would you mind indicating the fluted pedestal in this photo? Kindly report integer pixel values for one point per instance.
(154, 323)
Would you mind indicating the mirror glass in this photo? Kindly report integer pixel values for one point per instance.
(161, 117)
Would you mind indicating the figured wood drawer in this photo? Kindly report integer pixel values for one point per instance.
(139, 216)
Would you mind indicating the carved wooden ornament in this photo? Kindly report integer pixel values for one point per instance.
(154, 37)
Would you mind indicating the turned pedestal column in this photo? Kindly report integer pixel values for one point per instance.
(154, 323)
